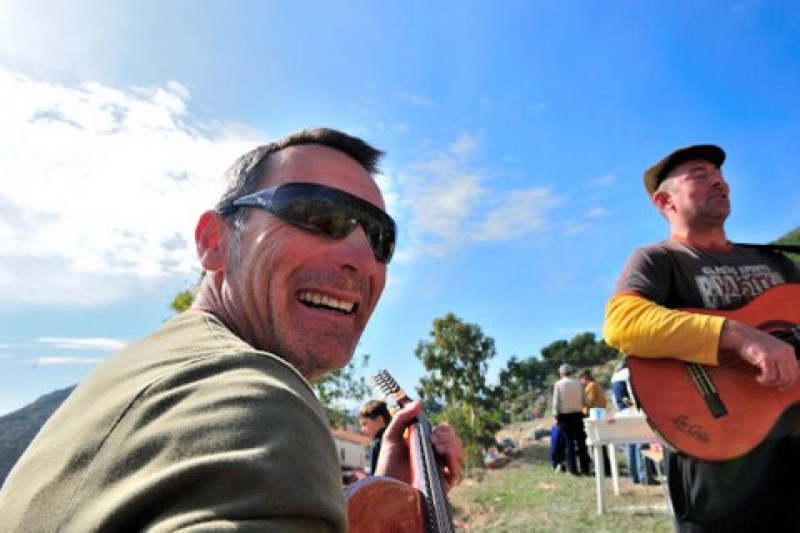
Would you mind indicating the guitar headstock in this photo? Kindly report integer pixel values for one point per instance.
(385, 384)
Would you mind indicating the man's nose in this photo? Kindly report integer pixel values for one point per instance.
(716, 178)
(358, 247)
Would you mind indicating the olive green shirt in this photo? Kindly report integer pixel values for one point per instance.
(189, 429)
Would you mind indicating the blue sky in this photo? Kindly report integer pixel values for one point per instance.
(516, 133)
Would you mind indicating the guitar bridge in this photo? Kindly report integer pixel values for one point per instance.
(707, 390)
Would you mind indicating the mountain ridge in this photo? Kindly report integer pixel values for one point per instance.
(18, 428)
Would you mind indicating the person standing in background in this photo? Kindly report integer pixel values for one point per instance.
(595, 397)
(569, 399)
(373, 417)
(623, 399)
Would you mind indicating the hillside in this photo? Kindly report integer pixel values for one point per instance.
(17, 429)
(527, 495)
(793, 238)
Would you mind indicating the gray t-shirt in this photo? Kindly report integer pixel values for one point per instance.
(677, 275)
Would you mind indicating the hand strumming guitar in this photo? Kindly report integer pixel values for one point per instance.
(775, 359)
(394, 458)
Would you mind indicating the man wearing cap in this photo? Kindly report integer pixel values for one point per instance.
(569, 399)
(698, 267)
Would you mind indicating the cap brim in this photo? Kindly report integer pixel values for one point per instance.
(656, 174)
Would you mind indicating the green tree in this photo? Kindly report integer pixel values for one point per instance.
(182, 301)
(456, 360)
(521, 385)
(582, 350)
(342, 387)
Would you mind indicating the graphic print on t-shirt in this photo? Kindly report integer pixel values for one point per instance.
(730, 286)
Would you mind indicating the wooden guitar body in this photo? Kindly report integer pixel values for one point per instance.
(720, 412)
(384, 505)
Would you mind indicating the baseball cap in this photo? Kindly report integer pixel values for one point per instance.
(654, 175)
(565, 368)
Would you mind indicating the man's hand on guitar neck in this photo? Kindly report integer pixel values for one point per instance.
(449, 447)
(394, 460)
(776, 360)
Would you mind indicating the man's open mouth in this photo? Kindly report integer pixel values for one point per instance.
(323, 301)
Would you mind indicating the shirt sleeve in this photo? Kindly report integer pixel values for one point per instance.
(595, 396)
(590, 394)
(637, 326)
(556, 400)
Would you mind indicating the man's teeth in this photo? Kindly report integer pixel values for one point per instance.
(326, 301)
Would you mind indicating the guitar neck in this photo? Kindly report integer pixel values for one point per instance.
(425, 467)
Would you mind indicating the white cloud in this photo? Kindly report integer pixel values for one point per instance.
(576, 227)
(606, 180)
(598, 212)
(447, 204)
(95, 343)
(394, 127)
(62, 360)
(585, 222)
(519, 213)
(465, 145)
(442, 201)
(101, 186)
(415, 99)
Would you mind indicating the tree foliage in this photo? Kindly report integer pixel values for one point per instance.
(583, 350)
(340, 387)
(456, 360)
(456, 356)
(182, 301)
(522, 387)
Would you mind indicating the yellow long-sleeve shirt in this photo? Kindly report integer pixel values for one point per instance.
(637, 326)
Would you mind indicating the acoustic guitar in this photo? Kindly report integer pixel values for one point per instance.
(382, 505)
(717, 413)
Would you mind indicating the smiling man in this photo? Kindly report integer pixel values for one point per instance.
(210, 423)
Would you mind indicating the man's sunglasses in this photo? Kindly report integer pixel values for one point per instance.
(328, 211)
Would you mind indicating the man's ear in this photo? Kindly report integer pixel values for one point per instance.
(211, 240)
(661, 200)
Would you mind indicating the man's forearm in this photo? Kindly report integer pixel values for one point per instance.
(637, 326)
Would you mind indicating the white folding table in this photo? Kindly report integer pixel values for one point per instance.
(631, 429)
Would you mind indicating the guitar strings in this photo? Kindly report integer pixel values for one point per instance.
(732, 367)
(437, 507)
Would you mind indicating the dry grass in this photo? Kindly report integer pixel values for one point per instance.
(528, 496)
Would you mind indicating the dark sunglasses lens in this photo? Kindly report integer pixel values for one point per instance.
(337, 224)
(381, 238)
(335, 214)
(317, 214)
